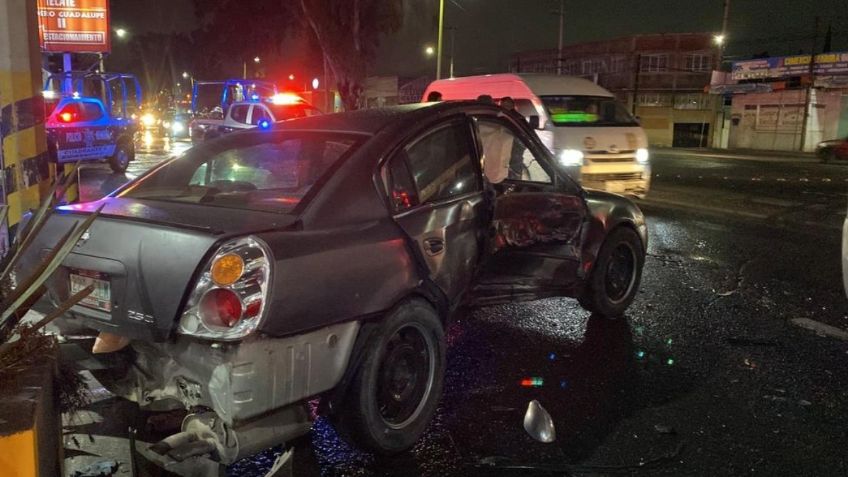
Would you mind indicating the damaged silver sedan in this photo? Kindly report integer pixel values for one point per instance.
(323, 258)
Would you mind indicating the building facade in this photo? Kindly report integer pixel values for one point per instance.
(767, 102)
(661, 77)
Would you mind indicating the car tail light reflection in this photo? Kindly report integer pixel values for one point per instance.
(230, 294)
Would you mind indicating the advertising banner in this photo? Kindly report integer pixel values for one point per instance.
(785, 66)
(74, 26)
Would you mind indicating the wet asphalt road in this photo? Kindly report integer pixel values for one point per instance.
(705, 376)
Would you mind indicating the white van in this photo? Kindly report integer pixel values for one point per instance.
(593, 135)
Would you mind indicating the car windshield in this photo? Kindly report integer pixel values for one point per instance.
(587, 111)
(261, 171)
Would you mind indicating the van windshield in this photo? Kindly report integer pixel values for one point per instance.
(575, 111)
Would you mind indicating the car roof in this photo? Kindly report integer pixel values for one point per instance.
(516, 85)
(372, 121)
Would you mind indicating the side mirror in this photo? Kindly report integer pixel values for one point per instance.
(534, 121)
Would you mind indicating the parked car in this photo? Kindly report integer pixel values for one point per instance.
(323, 257)
(835, 149)
(252, 114)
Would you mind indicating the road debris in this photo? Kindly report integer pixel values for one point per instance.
(103, 468)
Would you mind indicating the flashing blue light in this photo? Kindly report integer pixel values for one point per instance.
(255, 97)
(552, 356)
(264, 124)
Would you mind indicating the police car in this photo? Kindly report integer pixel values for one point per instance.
(80, 126)
(251, 114)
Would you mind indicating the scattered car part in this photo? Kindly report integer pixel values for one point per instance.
(538, 423)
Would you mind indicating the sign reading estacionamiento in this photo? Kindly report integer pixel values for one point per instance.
(74, 26)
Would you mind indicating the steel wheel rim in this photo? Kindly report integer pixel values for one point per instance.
(620, 273)
(406, 375)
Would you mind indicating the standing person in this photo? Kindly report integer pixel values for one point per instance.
(508, 103)
(485, 98)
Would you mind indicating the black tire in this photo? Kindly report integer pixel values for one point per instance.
(124, 154)
(826, 154)
(615, 277)
(374, 413)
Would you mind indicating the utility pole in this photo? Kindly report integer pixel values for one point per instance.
(559, 47)
(809, 94)
(724, 20)
(439, 45)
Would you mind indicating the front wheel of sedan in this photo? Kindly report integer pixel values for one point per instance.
(395, 391)
(615, 277)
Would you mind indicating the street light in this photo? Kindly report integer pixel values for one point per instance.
(120, 32)
(256, 60)
(291, 77)
(315, 83)
(429, 51)
(719, 39)
(185, 75)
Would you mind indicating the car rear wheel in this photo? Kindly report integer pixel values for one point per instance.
(119, 161)
(615, 277)
(395, 391)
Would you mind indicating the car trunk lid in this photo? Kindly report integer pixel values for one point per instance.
(142, 257)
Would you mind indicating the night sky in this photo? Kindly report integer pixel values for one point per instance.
(488, 31)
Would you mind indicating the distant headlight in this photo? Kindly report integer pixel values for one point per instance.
(148, 119)
(166, 124)
(571, 157)
(177, 127)
(642, 155)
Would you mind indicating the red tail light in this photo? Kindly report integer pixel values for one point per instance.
(220, 307)
(66, 117)
(229, 297)
(69, 114)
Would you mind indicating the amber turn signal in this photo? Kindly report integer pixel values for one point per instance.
(227, 269)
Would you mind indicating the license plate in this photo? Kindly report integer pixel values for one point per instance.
(615, 187)
(73, 137)
(101, 297)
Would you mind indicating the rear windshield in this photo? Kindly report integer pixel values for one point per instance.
(587, 111)
(262, 171)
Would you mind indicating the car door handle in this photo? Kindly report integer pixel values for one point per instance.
(434, 246)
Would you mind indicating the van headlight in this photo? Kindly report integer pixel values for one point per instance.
(571, 157)
(642, 155)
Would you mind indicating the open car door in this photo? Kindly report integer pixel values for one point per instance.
(533, 247)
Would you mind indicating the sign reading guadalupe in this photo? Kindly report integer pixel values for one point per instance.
(74, 26)
(785, 66)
